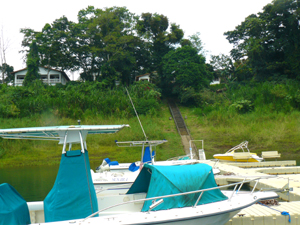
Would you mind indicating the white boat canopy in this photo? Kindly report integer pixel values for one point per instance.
(64, 134)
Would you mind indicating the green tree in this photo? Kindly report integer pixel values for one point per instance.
(6, 70)
(223, 67)
(106, 39)
(269, 41)
(153, 28)
(32, 65)
(184, 68)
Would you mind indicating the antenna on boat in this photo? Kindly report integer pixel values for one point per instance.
(136, 114)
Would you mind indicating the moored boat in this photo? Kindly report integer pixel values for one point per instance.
(118, 177)
(239, 153)
(160, 195)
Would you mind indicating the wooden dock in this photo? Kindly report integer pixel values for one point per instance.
(271, 215)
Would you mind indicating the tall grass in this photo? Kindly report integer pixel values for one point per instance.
(271, 124)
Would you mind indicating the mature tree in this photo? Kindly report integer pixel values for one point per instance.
(32, 65)
(269, 41)
(185, 68)
(223, 66)
(6, 70)
(100, 39)
(53, 43)
(106, 44)
(153, 28)
(194, 41)
(4, 44)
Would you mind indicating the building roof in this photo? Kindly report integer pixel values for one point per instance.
(62, 72)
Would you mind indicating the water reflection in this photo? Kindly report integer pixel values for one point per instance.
(32, 182)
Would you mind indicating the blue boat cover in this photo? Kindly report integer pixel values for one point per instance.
(166, 180)
(13, 207)
(147, 158)
(73, 195)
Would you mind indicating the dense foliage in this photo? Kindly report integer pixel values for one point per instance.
(77, 99)
(266, 45)
(184, 69)
(6, 76)
(106, 45)
(261, 98)
(32, 63)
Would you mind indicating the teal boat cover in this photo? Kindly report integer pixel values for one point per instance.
(13, 207)
(166, 180)
(73, 195)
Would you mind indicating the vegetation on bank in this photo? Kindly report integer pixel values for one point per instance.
(57, 105)
(26, 152)
(77, 100)
(265, 114)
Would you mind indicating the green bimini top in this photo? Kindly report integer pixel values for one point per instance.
(166, 180)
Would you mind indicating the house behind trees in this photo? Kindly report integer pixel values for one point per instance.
(47, 75)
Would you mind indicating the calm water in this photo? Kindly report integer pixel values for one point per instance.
(32, 182)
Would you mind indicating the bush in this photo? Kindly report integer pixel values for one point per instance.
(243, 106)
(76, 98)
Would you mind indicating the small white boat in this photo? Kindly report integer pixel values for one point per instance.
(182, 194)
(118, 177)
(239, 153)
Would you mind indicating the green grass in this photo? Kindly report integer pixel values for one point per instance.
(26, 152)
(222, 131)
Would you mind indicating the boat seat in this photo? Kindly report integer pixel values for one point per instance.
(270, 154)
(242, 155)
(111, 163)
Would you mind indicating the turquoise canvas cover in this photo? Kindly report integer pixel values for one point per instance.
(13, 207)
(166, 180)
(73, 195)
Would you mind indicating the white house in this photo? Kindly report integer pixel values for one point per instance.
(143, 77)
(216, 81)
(48, 76)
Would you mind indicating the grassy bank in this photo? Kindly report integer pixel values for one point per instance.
(25, 152)
(265, 132)
(265, 114)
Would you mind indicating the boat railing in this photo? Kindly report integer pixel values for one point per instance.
(113, 187)
(154, 203)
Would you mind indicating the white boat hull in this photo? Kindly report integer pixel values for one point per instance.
(208, 214)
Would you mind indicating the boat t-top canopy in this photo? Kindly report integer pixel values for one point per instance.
(140, 143)
(146, 147)
(64, 134)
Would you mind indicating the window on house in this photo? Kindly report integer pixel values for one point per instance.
(44, 77)
(54, 77)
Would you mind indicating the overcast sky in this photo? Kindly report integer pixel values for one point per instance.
(211, 18)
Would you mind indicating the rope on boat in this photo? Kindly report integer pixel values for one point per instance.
(136, 114)
(284, 213)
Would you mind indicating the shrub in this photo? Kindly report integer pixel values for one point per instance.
(243, 106)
